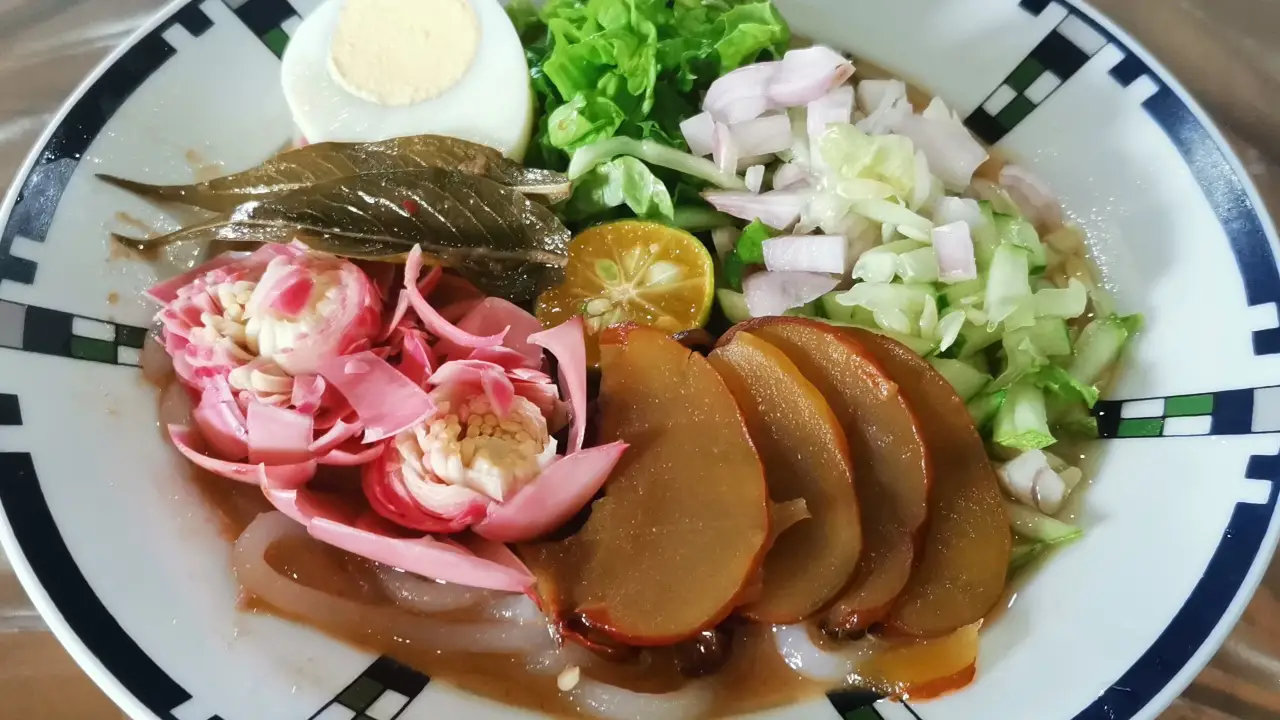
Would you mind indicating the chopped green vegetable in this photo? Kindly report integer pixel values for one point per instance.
(1021, 233)
(623, 180)
(1027, 552)
(1033, 525)
(918, 266)
(653, 153)
(1007, 283)
(1069, 302)
(1022, 422)
(695, 219)
(750, 247)
(966, 379)
(734, 305)
(984, 408)
(1099, 346)
(1058, 381)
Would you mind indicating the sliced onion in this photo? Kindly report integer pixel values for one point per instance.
(954, 247)
(515, 608)
(774, 293)
(807, 74)
(724, 149)
(778, 209)
(802, 655)
(791, 175)
(953, 154)
(1031, 480)
(755, 178)
(1032, 195)
(741, 94)
(697, 132)
(885, 103)
(807, 253)
(594, 698)
(953, 209)
(834, 107)
(762, 136)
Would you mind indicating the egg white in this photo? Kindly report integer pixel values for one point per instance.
(491, 104)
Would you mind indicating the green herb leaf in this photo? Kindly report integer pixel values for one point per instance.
(623, 180)
(297, 169)
(750, 247)
(500, 240)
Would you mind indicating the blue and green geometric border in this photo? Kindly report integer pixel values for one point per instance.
(388, 687)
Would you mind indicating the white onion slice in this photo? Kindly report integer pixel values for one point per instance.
(807, 253)
(320, 608)
(791, 175)
(1032, 196)
(724, 239)
(1032, 481)
(777, 209)
(953, 154)
(425, 595)
(885, 104)
(755, 178)
(597, 699)
(954, 246)
(697, 132)
(807, 74)
(762, 136)
(801, 654)
(953, 209)
(774, 293)
(834, 107)
(741, 94)
(724, 149)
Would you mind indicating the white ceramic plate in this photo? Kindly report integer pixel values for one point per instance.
(127, 565)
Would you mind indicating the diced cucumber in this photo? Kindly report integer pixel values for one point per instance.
(918, 266)
(1022, 422)
(1032, 525)
(734, 305)
(1021, 233)
(1049, 336)
(961, 295)
(917, 345)
(1063, 384)
(810, 310)
(1068, 302)
(985, 238)
(949, 327)
(836, 310)
(877, 265)
(967, 380)
(1007, 282)
(1099, 346)
(984, 408)
(974, 339)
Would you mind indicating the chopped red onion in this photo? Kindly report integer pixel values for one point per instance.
(724, 149)
(741, 94)
(755, 178)
(762, 136)
(807, 253)
(791, 175)
(1032, 196)
(777, 209)
(774, 293)
(834, 107)
(807, 74)
(952, 151)
(697, 132)
(954, 247)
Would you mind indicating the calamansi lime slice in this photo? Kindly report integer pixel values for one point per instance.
(633, 271)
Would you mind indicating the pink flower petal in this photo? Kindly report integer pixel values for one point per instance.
(566, 343)
(417, 360)
(452, 289)
(499, 391)
(397, 316)
(553, 497)
(351, 454)
(455, 312)
(338, 433)
(507, 358)
(307, 394)
(422, 556)
(286, 288)
(221, 422)
(431, 319)
(283, 477)
(385, 400)
(278, 436)
(494, 315)
(167, 291)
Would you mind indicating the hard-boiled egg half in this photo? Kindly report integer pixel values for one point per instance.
(368, 70)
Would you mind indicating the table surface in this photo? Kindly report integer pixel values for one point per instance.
(1226, 51)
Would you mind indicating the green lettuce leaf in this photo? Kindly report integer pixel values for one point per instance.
(621, 181)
